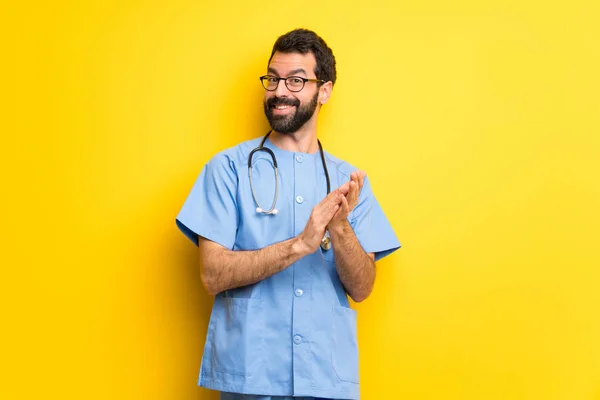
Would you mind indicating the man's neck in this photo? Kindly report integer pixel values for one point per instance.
(303, 140)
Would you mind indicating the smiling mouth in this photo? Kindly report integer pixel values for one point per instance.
(282, 106)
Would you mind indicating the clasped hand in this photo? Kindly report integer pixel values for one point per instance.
(332, 211)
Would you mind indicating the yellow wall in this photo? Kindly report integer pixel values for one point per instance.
(477, 122)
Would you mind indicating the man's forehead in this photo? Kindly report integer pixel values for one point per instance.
(282, 63)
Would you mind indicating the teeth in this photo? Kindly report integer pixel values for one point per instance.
(281, 107)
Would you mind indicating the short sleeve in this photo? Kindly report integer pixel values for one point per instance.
(371, 227)
(210, 209)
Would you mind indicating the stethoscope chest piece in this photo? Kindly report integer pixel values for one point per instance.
(326, 241)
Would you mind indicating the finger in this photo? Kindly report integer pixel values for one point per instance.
(352, 197)
(336, 196)
(340, 213)
(355, 177)
(344, 209)
(339, 192)
(344, 205)
(361, 179)
(344, 188)
(332, 213)
(332, 198)
(353, 184)
(323, 210)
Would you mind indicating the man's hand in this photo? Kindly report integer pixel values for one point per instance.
(320, 217)
(354, 266)
(348, 202)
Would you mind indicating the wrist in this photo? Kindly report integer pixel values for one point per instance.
(299, 247)
(339, 227)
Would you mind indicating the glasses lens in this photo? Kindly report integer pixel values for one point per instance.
(269, 82)
(294, 83)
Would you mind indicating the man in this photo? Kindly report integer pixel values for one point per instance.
(281, 324)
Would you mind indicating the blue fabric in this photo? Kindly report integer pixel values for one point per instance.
(292, 334)
(238, 396)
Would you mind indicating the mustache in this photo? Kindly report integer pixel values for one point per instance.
(274, 101)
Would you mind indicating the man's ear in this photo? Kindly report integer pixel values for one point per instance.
(325, 92)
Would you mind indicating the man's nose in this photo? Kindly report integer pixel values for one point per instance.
(282, 90)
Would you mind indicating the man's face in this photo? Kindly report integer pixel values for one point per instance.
(288, 111)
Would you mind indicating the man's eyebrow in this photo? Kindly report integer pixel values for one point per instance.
(273, 71)
(292, 72)
(298, 71)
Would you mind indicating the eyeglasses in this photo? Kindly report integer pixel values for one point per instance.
(293, 83)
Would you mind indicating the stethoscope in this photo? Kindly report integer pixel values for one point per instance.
(326, 241)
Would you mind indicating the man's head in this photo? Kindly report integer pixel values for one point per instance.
(305, 57)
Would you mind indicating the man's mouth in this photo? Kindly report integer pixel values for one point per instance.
(282, 109)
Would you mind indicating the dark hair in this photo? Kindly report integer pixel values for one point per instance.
(304, 41)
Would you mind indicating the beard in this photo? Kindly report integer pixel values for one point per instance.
(292, 122)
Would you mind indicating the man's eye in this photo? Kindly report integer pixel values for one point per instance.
(272, 79)
(296, 81)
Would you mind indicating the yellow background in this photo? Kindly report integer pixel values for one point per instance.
(477, 122)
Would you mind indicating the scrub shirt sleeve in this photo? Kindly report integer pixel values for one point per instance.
(210, 209)
(370, 225)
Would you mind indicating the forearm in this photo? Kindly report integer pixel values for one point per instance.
(224, 269)
(355, 268)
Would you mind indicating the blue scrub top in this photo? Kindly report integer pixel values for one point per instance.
(292, 334)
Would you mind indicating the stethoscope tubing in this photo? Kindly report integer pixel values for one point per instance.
(325, 243)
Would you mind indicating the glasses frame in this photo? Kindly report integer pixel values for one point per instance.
(285, 80)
